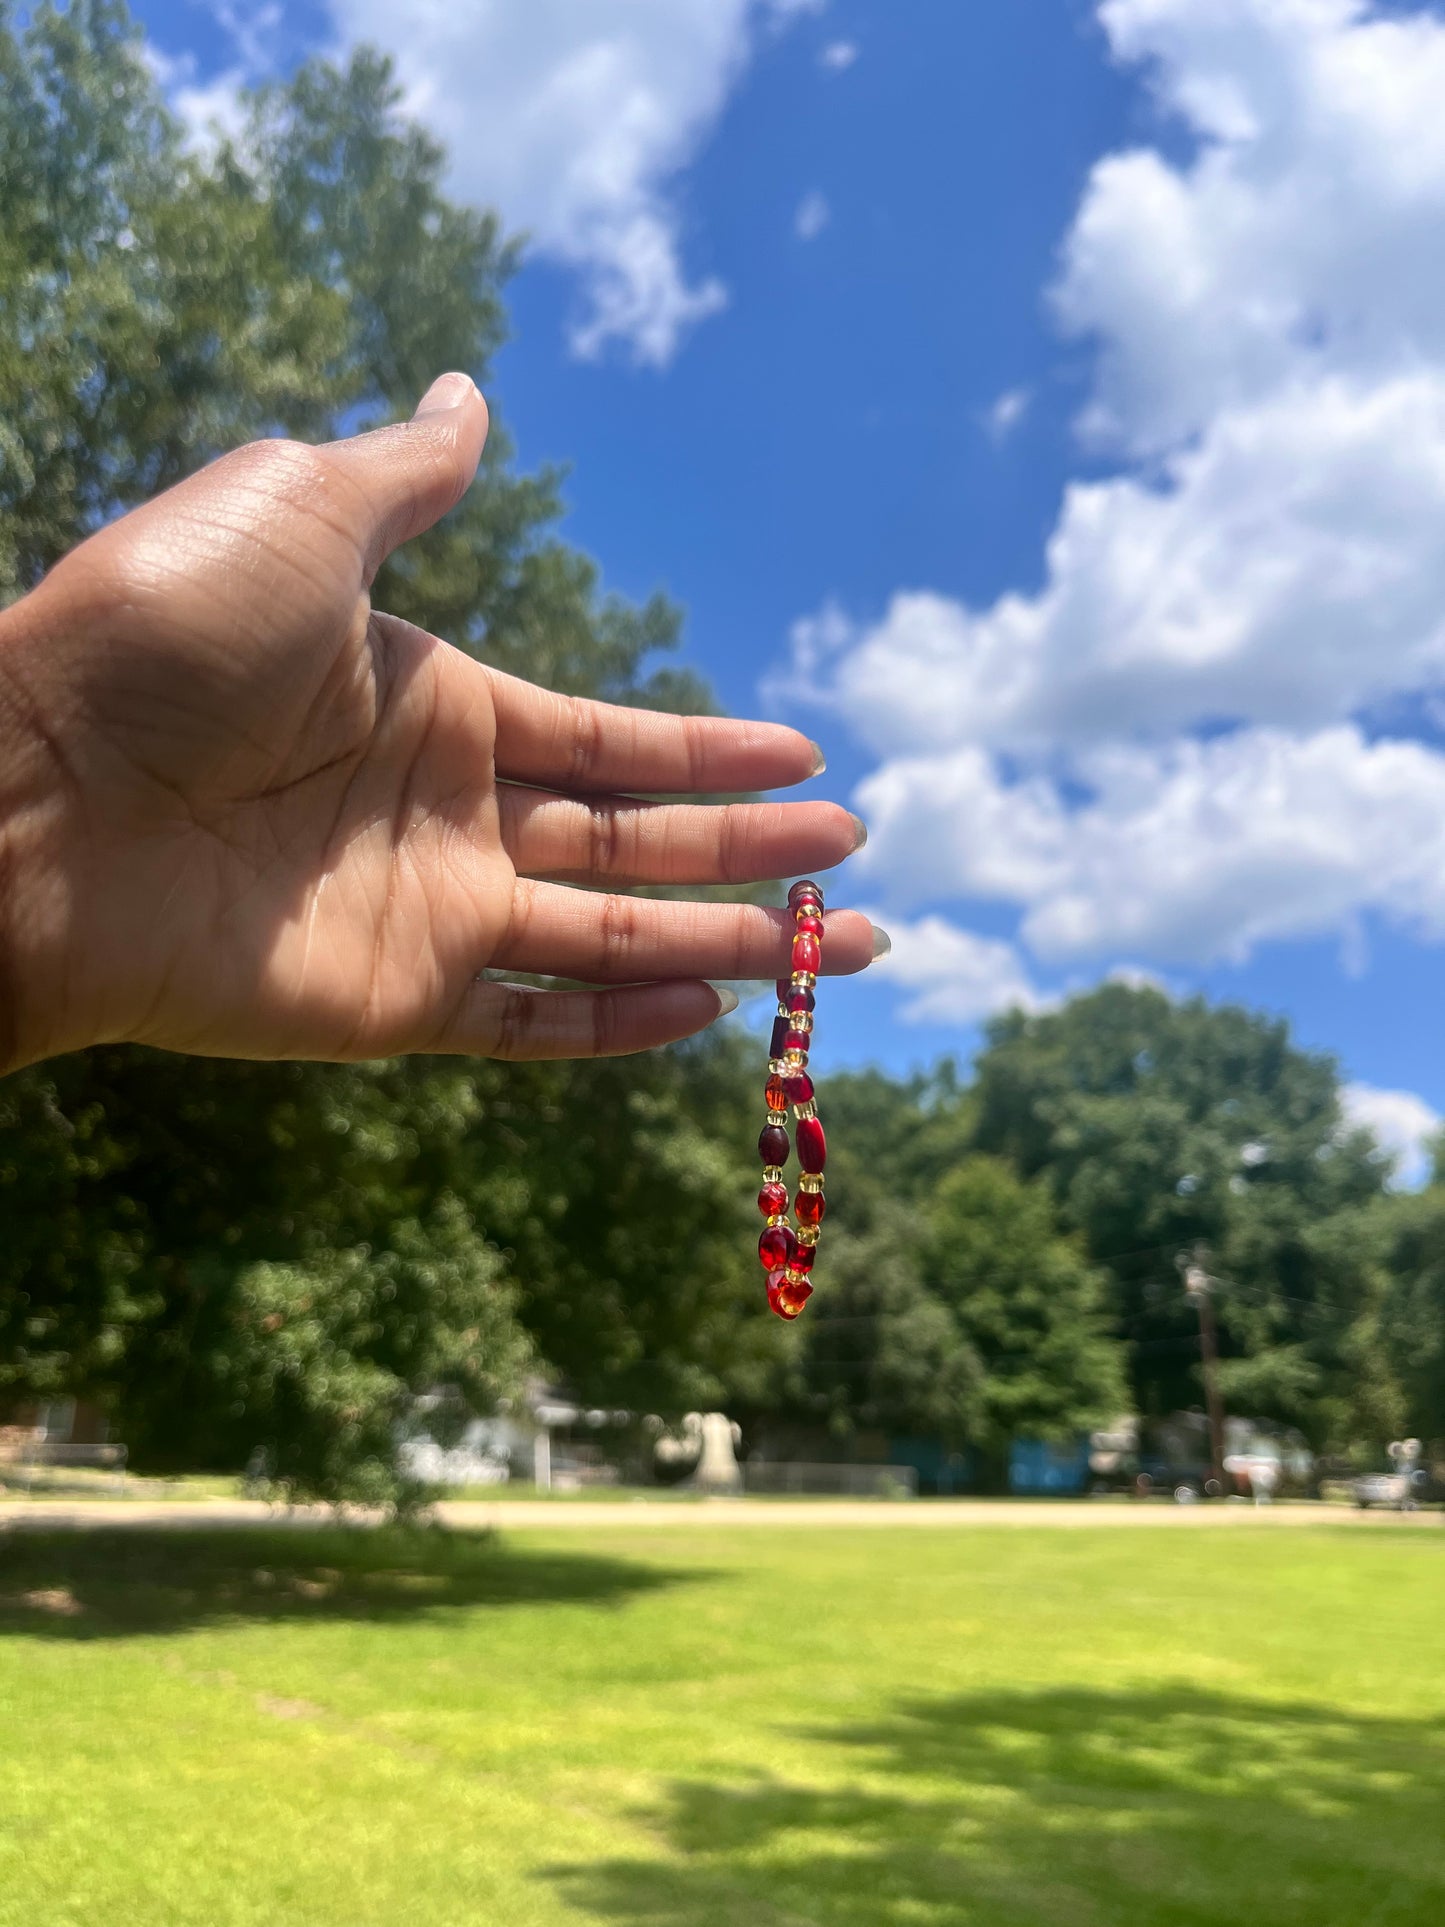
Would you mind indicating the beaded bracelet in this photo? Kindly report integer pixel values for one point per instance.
(787, 1255)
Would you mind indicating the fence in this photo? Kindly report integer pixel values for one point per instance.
(832, 1481)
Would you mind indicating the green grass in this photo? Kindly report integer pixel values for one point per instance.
(716, 1727)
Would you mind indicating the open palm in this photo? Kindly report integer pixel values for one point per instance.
(269, 821)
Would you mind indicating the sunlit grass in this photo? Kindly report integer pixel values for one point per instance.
(717, 1726)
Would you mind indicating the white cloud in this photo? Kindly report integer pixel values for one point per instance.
(838, 56)
(952, 976)
(1303, 235)
(1304, 530)
(1190, 852)
(1005, 414)
(1163, 749)
(1401, 1123)
(812, 217)
(575, 118)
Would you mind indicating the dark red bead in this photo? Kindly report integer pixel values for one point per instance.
(812, 1145)
(802, 1258)
(777, 1247)
(810, 926)
(800, 1003)
(797, 1040)
(810, 1207)
(773, 1200)
(804, 887)
(798, 1087)
(775, 1092)
(784, 988)
(779, 1039)
(806, 954)
(773, 1144)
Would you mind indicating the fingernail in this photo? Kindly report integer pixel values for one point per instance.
(860, 832)
(820, 761)
(446, 392)
(882, 942)
(727, 1000)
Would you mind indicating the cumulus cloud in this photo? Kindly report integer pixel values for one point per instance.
(953, 976)
(576, 118)
(1190, 852)
(1176, 744)
(1402, 1124)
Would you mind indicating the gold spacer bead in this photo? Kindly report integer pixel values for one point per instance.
(801, 1022)
(795, 1060)
(809, 1234)
(772, 1174)
(804, 979)
(811, 1181)
(778, 1217)
(777, 1117)
(809, 1109)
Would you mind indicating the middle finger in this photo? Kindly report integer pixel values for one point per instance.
(619, 839)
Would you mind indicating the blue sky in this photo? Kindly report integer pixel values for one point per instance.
(1040, 402)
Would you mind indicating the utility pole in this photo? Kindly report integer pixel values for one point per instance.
(1199, 1290)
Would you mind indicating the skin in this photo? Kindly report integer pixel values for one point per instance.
(245, 814)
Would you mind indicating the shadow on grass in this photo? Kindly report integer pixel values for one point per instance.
(1169, 1807)
(103, 1583)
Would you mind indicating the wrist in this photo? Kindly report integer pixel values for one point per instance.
(33, 891)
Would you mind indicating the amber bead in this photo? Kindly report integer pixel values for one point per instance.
(787, 1307)
(810, 1207)
(777, 1246)
(800, 1003)
(773, 1200)
(773, 1144)
(812, 1145)
(806, 954)
(794, 1293)
(776, 1093)
(796, 1040)
(798, 1087)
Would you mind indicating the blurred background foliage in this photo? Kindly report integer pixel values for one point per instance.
(233, 1255)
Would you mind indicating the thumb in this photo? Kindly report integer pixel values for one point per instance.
(411, 474)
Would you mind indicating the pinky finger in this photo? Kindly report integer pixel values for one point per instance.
(520, 1024)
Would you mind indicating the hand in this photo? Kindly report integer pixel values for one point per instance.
(242, 813)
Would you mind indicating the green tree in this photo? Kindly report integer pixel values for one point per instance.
(280, 1255)
(1159, 1125)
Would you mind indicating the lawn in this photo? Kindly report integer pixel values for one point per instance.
(721, 1727)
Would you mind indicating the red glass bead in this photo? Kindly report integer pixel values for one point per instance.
(812, 1145)
(806, 954)
(798, 1087)
(802, 1258)
(773, 1200)
(773, 1144)
(810, 926)
(777, 1285)
(793, 1294)
(775, 1091)
(797, 1040)
(778, 1044)
(800, 1003)
(810, 1207)
(804, 887)
(777, 1247)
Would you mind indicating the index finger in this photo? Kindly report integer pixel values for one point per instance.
(571, 743)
